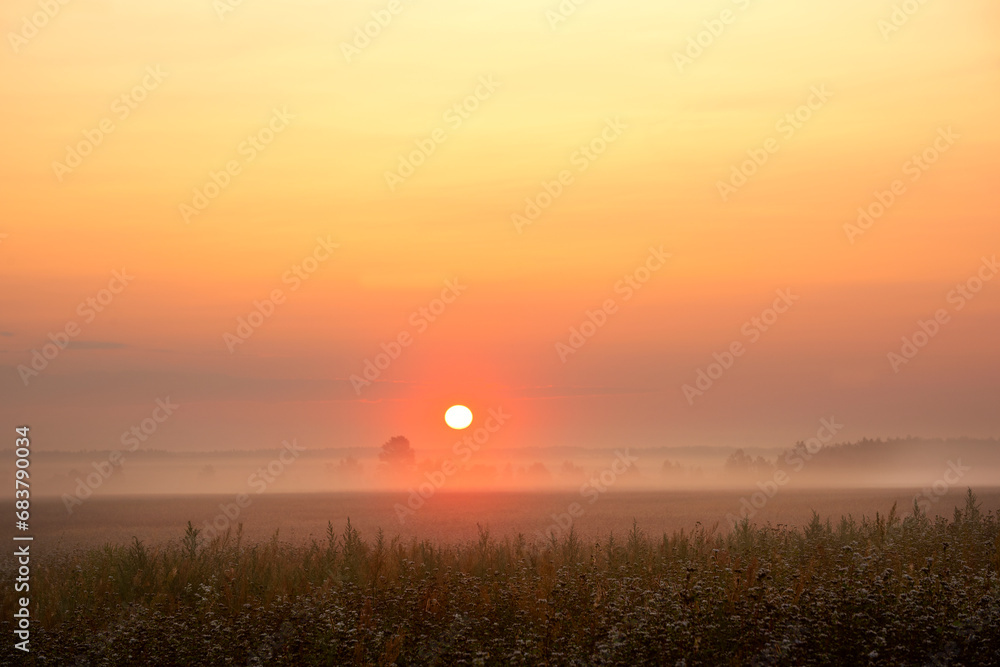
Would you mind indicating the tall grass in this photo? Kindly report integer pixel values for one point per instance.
(887, 590)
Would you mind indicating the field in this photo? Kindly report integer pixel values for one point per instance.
(899, 587)
(453, 517)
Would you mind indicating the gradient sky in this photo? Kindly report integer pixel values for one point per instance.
(891, 93)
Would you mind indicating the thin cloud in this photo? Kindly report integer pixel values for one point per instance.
(95, 345)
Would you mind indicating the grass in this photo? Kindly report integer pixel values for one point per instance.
(888, 590)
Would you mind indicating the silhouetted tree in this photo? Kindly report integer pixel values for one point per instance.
(538, 470)
(571, 469)
(740, 462)
(347, 467)
(672, 468)
(397, 452)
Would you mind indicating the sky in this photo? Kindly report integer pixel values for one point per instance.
(633, 223)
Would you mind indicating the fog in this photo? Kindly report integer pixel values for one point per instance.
(297, 468)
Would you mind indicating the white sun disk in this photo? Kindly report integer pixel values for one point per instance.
(458, 416)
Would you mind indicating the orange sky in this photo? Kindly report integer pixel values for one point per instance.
(330, 121)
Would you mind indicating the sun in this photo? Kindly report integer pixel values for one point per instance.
(458, 416)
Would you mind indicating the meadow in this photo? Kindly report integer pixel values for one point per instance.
(899, 587)
(453, 516)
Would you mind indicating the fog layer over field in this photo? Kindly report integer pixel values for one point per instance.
(298, 467)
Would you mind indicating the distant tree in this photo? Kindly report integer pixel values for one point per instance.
(346, 467)
(571, 469)
(762, 466)
(538, 470)
(397, 452)
(739, 462)
(672, 468)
